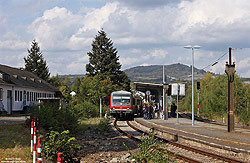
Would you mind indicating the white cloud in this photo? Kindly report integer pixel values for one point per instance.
(11, 41)
(219, 67)
(183, 59)
(212, 21)
(54, 29)
(96, 18)
(128, 61)
(243, 64)
(144, 34)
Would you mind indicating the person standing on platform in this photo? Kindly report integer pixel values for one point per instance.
(146, 110)
(154, 111)
(141, 110)
(150, 109)
(173, 110)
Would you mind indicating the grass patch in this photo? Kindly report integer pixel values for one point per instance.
(15, 142)
(15, 138)
(93, 123)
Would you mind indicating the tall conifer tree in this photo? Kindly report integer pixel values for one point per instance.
(103, 60)
(35, 62)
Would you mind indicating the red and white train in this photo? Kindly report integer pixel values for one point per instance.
(124, 105)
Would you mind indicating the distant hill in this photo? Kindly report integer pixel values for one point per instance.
(72, 78)
(153, 73)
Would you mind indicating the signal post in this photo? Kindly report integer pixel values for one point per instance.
(230, 71)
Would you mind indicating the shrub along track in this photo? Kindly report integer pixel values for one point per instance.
(185, 153)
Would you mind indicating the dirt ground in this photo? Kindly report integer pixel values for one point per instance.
(108, 147)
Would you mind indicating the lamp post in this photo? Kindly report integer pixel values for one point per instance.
(192, 47)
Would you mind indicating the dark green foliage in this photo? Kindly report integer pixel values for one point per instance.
(86, 109)
(35, 62)
(103, 60)
(56, 142)
(104, 126)
(151, 150)
(76, 86)
(94, 88)
(214, 96)
(242, 101)
(51, 117)
(55, 81)
(65, 90)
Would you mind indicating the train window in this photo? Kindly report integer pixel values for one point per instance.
(121, 100)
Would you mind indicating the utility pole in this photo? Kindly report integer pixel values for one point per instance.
(198, 91)
(230, 71)
(164, 101)
(178, 92)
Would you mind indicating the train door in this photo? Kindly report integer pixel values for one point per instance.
(9, 101)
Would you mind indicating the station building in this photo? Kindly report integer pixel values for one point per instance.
(21, 89)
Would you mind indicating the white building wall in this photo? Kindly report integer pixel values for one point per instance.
(4, 97)
(18, 97)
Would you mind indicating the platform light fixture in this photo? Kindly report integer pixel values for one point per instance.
(192, 47)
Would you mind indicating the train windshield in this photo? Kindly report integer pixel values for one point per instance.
(121, 100)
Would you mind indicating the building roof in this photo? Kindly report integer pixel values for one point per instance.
(22, 78)
(121, 92)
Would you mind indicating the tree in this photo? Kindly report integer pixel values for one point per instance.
(35, 62)
(104, 60)
(76, 86)
(65, 90)
(55, 81)
(93, 88)
(213, 98)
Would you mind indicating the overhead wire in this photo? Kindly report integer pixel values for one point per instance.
(214, 63)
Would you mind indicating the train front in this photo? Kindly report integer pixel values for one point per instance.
(121, 105)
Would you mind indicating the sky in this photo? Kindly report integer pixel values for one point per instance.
(144, 32)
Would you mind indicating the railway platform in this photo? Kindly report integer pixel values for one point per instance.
(208, 134)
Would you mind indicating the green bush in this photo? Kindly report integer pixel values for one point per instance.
(104, 126)
(53, 118)
(151, 150)
(56, 142)
(86, 110)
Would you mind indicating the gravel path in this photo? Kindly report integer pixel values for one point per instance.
(106, 147)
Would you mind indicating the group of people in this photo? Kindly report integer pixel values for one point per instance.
(149, 110)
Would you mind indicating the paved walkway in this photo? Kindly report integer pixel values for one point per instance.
(11, 120)
(240, 138)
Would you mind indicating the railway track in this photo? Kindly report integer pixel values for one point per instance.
(182, 152)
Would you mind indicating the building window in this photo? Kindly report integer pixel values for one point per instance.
(21, 95)
(28, 96)
(24, 97)
(15, 95)
(1, 94)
